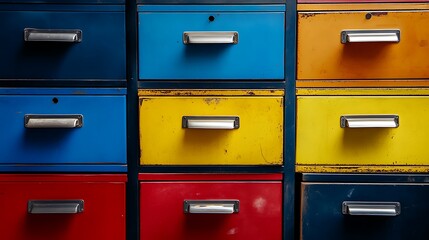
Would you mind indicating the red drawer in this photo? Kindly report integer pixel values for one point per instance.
(210, 207)
(66, 207)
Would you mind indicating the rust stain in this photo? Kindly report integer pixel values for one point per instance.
(379, 14)
(212, 100)
(306, 15)
(250, 93)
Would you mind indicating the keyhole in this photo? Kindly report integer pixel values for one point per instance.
(211, 18)
(368, 16)
(55, 100)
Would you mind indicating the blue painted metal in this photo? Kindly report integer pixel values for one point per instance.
(211, 8)
(322, 216)
(63, 168)
(100, 55)
(163, 55)
(63, 91)
(366, 178)
(211, 1)
(101, 139)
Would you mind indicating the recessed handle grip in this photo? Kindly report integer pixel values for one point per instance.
(371, 208)
(211, 206)
(210, 38)
(366, 36)
(369, 121)
(53, 121)
(210, 122)
(52, 35)
(55, 206)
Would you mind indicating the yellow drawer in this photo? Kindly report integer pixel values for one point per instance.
(228, 130)
(364, 140)
(323, 56)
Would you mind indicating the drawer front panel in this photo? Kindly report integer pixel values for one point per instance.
(322, 203)
(258, 140)
(329, 58)
(100, 138)
(100, 54)
(163, 54)
(260, 204)
(102, 216)
(322, 141)
(66, 1)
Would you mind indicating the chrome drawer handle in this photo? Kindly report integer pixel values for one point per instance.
(210, 122)
(365, 36)
(52, 35)
(369, 121)
(211, 206)
(53, 121)
(210, 38)
(55, 206)
(371, 208)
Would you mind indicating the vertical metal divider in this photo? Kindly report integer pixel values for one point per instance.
(289, 197)
(132, 191)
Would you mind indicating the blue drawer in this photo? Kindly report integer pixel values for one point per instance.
(62, 129)
(63, 45)
(66, 1)
(213, 42)
(364, 211)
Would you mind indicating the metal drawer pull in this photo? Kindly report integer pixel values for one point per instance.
(369, 121)
(371, 208)
(365, 36)
(211, 206)
(52, 35)
(210, 122)
(55, 206)
(53, 121)
(210, 37)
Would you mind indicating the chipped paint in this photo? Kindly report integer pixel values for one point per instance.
(306, 15)
(210, 101)
(361, 169)
(378, 14)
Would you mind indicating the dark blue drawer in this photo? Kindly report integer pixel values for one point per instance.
(66, 1)
(63, 45)
(62, 129)
(212, 42)
(364, 211)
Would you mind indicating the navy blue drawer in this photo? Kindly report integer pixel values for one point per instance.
(364, 211)
(62, 129)
(66, 1)
(96, 50)
(212, 42)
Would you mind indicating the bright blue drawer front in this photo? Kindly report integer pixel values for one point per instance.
(100, 140)
(259, 53)
(100, 55)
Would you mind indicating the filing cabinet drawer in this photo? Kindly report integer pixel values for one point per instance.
(210, 207)
(211, 130)
(67, 207)
(364, 211)
(62, 129)
(362, 130)
(362, 45)
(66, 1)
(63, 44)
(211, 43)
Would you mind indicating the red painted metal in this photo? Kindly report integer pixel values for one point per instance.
(162, 213)
(209, 177)
(103, 216)
(63, 177)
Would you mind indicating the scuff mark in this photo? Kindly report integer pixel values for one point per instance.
(307, 15)
(349, 195)
(259, 204)
(212, 100)
(232, 231)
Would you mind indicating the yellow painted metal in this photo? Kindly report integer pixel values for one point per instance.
(362, 91)
(321, 140)
(321, 55)
(210, 92)
(258, 140)
(361, 169)
(362, 6)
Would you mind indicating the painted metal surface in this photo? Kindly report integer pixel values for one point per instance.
(100, 54)
(100, 140)
(66, 1)
(209, 177)
(258, 140)
(361, 6)
(366, 178)
(322, 203)
(163, 55)
(259, 216)
(362, 91)
(322, 141)
(359, 1)
(103, 216)
(330, 60)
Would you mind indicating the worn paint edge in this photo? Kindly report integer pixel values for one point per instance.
(362, 6)
(362, 91)
(210, 92)
(361, 83)
(360, 169)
